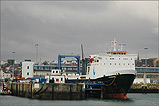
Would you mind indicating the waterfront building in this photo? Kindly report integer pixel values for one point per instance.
(142, 62)
(5, 74)
(27, 69)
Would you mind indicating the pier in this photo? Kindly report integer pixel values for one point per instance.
(49, 91)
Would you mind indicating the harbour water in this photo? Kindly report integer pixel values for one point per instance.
(135, 99)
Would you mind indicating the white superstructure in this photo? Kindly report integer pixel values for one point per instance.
(56, 76)
(111, 63)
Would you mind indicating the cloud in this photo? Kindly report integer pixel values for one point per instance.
(60, 27)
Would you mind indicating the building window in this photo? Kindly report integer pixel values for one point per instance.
(115, 63)
(56, 71)
(110, 63)
(27, 73)
(27, 67)
(61, 79)
(88, 69)
(53, 71)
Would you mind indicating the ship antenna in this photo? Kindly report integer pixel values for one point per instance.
(114, 45)
(121, 46)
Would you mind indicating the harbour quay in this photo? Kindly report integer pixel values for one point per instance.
(48, 91)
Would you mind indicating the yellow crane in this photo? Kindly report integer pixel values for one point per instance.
(155, 62)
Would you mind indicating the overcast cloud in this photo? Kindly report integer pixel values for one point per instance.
(61, 27)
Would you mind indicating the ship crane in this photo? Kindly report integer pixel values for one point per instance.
(82, 52)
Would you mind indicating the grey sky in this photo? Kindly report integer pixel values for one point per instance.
(60, 27)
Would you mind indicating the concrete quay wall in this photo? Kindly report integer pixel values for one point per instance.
(50, 91)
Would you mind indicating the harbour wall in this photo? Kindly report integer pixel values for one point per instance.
(50, 91)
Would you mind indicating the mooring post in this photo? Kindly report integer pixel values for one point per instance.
(101, 92)
(81, 92)
(53, 92)
(16, 89)
(11, 87)
(19, 90)
(22, 89)
(31, 91)
(70, 92)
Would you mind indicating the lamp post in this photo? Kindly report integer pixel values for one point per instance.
(13, 63)
(36, 52)
(146, 56)
(145, 65)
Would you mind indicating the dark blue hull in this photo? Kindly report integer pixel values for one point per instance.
(112, 85)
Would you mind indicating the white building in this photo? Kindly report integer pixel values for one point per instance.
(141, 80)
(56, 76)
(5, 74)
(27, 69)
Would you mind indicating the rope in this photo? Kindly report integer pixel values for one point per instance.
(111, 82)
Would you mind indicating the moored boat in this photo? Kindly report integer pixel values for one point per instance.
(114, 69)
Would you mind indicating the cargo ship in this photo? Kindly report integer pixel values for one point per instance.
(114, 69)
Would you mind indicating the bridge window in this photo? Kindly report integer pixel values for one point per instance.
(27, 73)
(111, 58)
(125, 58)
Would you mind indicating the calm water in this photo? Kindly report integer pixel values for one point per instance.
(134, 100)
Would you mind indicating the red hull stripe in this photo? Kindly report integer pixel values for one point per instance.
(117, 96)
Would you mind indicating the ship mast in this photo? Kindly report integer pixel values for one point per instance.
(114, 45)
